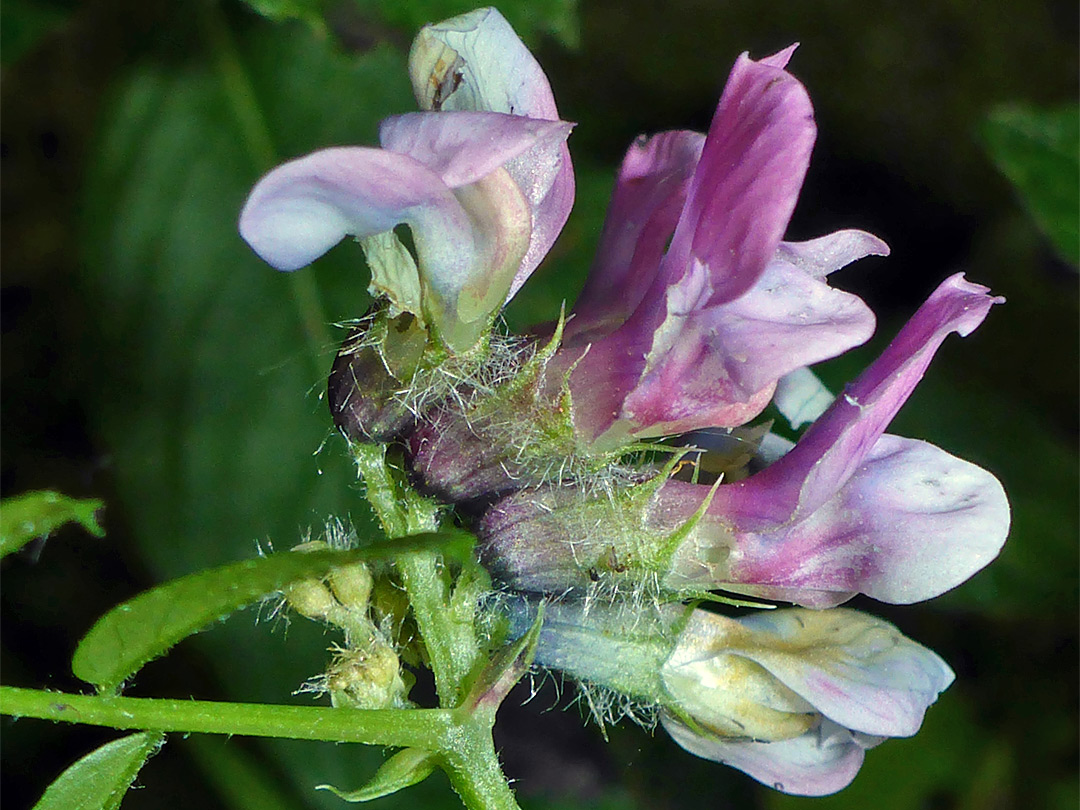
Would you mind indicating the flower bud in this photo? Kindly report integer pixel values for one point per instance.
(367, 677)
(371, 379)
(352, 584)
(310, 597)
(791, 697)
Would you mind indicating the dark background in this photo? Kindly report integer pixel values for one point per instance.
(150, 360)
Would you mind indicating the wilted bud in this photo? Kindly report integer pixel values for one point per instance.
(367, 677)
(370, 385)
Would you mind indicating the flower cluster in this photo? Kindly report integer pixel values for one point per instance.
(696, 316)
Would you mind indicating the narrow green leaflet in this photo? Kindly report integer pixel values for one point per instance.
(38, 514)
(404, 769)
(1039, 151)
(99, 780)
(143, 628)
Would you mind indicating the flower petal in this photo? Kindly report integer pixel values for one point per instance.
(836, 444)
(462, 147)
(801, 397)
(731, 353)
(747, 182)
(820, 762)
(649, 195)
(476, 62)
(827, 254)
(304, 207)
(857, 670)
(910, 524)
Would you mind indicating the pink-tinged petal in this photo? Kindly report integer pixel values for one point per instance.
(476, 62)
(747, 182)
(650, 191)
(301, 209)
(910, 524)
(827, 254)
(462, 147)
(858, 671)
(836, 444)
(708, 366)
(820, 762)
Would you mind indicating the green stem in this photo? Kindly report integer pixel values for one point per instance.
(474, 771)
(450, 640)
(382, 490)
(414, 728)
(255, 135)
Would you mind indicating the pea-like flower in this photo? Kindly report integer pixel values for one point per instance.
(847, 510)
(482, 179)
(792, 697)
(695, 308)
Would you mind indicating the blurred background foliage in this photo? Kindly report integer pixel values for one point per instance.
(150, 360)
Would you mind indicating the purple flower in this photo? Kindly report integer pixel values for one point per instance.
(669, 338)
(695, 309)
(483, 181)
(848, 510)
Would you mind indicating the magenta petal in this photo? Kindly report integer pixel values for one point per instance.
(649, 195)
(838, 442)
(720, 367)
(820, 762)
(910, 524)
(304, 207)
(462, 147)
(746, 185)
(857, 670)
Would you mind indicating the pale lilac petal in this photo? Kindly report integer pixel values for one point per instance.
(910, 524)
(303, 208)
(476, 62)
(827, 254)
(801, 397)
(650, 191)
(462, 147)
(820, 762)
(837, 443)
(747, 182)
(858, 671)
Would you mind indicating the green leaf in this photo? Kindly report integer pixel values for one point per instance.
(143, 628)
(306, 11)
(1039, 151)
(99, 780)
(38, 514)
(530, 18)
(24, 23)
(404, 769)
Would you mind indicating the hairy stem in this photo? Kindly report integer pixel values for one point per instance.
(420, 728)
